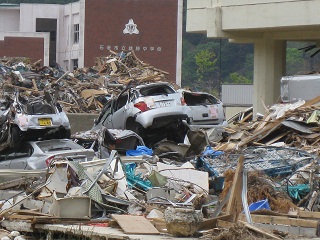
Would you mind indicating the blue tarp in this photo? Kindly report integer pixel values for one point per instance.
(210, 152)
(140, 150)
(136, 180)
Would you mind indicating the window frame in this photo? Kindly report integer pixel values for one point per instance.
(76, 33)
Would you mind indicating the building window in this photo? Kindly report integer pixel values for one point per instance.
(76, 33)
(75, 63)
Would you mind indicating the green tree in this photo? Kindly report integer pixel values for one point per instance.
(189, 65)
(295, 63)
(206, 65)
(239, 79)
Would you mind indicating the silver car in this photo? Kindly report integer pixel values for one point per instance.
(39, 154)
(154, 111)
(36, 117)
(207, 111)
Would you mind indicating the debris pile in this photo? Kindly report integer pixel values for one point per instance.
(83, 90)
(259, 178)
(290, 125)
(179, 198)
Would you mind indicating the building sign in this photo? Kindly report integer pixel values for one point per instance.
(130, 28)
(130, 48)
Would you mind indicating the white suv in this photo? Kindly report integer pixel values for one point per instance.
(156, 111)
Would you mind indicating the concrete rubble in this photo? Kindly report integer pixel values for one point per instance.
(260, 177)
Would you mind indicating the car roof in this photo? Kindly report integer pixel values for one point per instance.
(153, 84)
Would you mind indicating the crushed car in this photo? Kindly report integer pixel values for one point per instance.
(156, 111)
(31, 117)
(40, 154)
(123, 140)
(153, 111)
(207, 111)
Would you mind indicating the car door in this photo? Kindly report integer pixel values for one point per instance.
(19, 159)
(106, 115)
(14, 159)
(120, 111)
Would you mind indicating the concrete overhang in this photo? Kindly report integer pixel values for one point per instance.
(285, 19)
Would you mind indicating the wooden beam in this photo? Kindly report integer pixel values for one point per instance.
(212, 222)
(311, 102)
(234, 206)
(260, 134)
(281, 220)
(305, 214)
(258, 230)
(224, 224)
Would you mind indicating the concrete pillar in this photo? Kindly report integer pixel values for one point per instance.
(269, 67)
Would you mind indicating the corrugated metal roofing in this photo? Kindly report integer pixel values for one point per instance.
(237, 94)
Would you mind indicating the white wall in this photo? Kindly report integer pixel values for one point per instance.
(30, 12)
(67, 16)
(67, 50)
(9, 19)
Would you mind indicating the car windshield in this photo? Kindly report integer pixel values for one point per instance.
(57, 145)
(156, 90)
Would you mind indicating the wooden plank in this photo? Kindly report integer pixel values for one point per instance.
(135, 224)
(258, 230)
(34, 85)
(246, 117)
(234, 206)
(212, 222)
(224, 224)
(311, 102)
(281, 220)
(260, 134)
(305, 214)
(277, 138)
(264, 121)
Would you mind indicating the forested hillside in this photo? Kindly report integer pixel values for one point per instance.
(207, 63)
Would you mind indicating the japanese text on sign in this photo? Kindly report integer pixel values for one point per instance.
(130, 48)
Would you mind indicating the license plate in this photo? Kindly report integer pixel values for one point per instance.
(164, 104)
(45, 122)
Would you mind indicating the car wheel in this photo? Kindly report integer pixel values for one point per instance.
(15, 138)
(137, 128)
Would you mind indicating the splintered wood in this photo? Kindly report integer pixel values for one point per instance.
(83, 90)
(283, 125)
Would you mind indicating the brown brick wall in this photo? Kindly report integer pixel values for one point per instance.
(156, 21)
(22, 47)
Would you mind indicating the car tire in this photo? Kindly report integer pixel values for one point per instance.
(15, 137)
(136, 127)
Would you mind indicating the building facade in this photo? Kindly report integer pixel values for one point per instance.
(73, 35)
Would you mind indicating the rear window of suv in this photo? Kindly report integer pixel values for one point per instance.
(156, 90)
